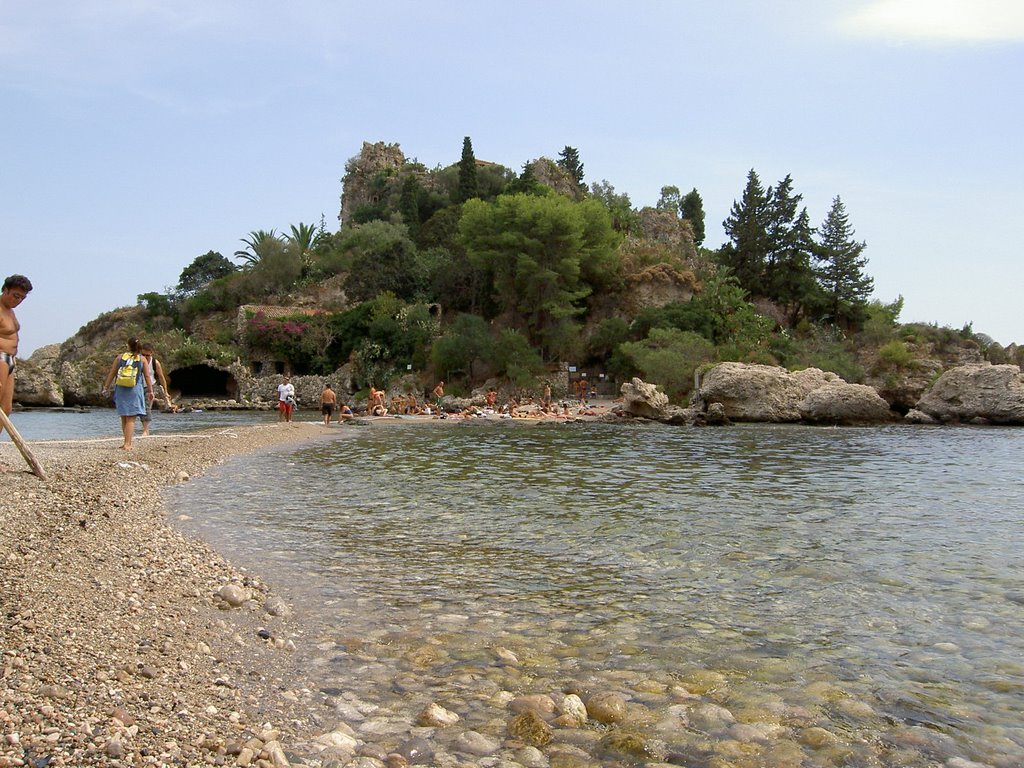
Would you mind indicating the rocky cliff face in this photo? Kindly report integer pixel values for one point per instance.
(366, 176)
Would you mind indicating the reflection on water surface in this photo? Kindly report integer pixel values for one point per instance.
(870, 578)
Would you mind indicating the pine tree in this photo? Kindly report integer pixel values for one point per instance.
(789, 278)
(569, 161)
(467, 173)
(840, 267)
(747, 229)
(691, 208)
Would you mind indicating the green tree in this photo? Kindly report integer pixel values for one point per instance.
(257, 244)
(691, 208)
(526, 183)
(606, 338)
(467, 341)
(668, 357)
(383, 259)
(788, 276)
(619, 207)
(409, 204)
(203, 271)
(670, 200)
(840, 268)
(302, 236)
(276, 271)
(569, 161)
(747, 228)
(537, 248)
(516, 359)
(467, 173)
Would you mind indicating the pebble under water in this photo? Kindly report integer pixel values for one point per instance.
(754, 595)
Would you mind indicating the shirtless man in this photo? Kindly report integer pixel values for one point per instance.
(328, 400)
(438, 395)
(16, 288)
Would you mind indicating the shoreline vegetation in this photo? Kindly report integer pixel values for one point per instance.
(123, 642)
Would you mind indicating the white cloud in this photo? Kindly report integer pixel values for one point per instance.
(939, 21)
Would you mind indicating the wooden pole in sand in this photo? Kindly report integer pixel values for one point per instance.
(37, 468)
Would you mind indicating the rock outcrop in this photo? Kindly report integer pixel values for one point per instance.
(644, 400)
(36, 386)
(839, 402)
(992, 394)
(764, 393)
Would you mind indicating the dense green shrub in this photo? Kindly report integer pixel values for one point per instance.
(895, 354)
(669, 357)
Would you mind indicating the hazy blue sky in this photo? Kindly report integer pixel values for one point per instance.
(139, 134)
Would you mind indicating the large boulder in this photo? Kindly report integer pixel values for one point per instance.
(977, 393)
(35, 385)
(760, 392)
(839, 402)
(642, 399)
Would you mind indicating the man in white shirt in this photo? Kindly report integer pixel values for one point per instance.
(285, 399)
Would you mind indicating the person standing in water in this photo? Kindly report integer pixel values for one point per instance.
(328, 400)
(16, 288)
(285, 399)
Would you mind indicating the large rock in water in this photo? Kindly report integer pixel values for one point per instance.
(772, 394)
(760, 392)
(642, 399)
(839, 402)
(986, 393)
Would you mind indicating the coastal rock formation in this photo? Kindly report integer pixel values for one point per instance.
(642, 399)
(839, 402)
(760, 392)
(36, 386)
(991, 394)
(763, 393)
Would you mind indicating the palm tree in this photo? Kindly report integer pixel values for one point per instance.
(302, 237)
(256, 244)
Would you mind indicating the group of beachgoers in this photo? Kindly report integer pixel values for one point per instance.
(379, 405)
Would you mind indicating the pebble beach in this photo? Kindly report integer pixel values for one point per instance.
(121, 641)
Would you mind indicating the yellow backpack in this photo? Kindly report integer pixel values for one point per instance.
(128, 370)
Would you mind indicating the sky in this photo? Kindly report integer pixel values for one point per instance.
(136, 135)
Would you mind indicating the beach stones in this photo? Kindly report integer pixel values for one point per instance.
(606, 707)
(434, 715)
(530, 728)
(233, 595)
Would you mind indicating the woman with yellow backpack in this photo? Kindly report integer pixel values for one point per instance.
(133, 388)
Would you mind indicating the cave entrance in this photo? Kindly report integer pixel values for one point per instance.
(203, 381)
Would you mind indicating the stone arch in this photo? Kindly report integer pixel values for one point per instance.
(203, 381)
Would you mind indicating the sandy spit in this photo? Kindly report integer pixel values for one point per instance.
(117, 646)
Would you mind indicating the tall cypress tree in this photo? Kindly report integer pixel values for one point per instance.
(691, 208)
(467, 173)
(569, 161)
(409, 204)
(840, 267)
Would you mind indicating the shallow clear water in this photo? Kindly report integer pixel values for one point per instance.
(810, 568)
(69, 424)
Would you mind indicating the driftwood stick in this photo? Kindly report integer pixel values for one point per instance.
(37, 468)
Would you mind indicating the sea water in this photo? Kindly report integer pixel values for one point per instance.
(98, 423)
(868, 583)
